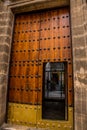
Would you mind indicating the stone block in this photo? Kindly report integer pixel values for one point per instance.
(75, 3)
(80, 64)
(85, 122)
(3, 79)
(6, 15)
(3, 89)
(79, 30)
(4, 39)
(77, 20)
(78, 124)
(5, 23)
(5, 30)
(3, 68)
(4, 58)
(4, 48)
(78, 41)
(80, 52)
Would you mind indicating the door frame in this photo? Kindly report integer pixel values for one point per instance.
(19, 7)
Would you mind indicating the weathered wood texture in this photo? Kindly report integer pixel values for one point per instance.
(38, 38)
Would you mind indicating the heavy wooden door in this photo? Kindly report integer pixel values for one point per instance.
(39, 39)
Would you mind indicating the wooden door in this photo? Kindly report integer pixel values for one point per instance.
(39, 38)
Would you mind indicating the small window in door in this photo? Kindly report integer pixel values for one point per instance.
(54, 104)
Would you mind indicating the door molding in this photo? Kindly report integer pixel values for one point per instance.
(30, 5)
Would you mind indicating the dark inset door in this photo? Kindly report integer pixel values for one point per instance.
(54, 91)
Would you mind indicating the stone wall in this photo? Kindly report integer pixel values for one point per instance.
(79, 44)
(5, 40)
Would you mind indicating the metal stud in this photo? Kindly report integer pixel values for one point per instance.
(59, 126)
(69, 63)
(70, 90)
(54, 18)
(45, 29)
(38, 40)
(32, 60)
(28, 50)
(39, 60)
(47, 125)
(58, 37)
(17, 89)
(54, 37)
(49, 38)
(54, 48)
(68, 36)
(22, 89)
(40, 49)
(44, 49)
(27, 88)
(36, 76)
(70, 76)
(48, 59)
(44, 59)
(53, 125)
(48, 48)
(65, 126)
(58, 47)
(63, 17)
(68, 46)
(70, 105)
(54, 27)
(69, 59)
(39, 89)
(36, 60)
(37, 49)
(64, 36)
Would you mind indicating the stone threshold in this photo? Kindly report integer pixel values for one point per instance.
(17, 127)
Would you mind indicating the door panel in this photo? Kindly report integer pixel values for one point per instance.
(39, 38)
